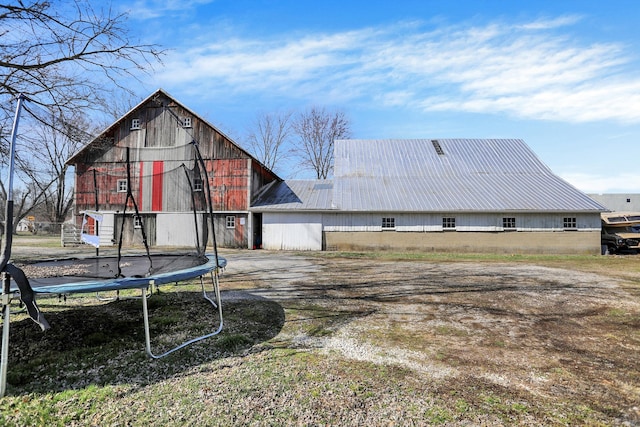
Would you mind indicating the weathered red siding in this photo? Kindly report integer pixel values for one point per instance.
(156, 195)
(234, 176)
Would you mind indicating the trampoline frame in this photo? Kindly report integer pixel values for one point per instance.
(27, 293)
(217, 304)
(213, 267)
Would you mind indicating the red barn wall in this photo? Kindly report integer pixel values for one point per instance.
(234, 176)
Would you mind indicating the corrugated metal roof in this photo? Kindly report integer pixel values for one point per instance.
(418, 175)
(309, 195)
(424, 175)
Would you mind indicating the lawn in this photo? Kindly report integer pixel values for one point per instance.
(347, 339)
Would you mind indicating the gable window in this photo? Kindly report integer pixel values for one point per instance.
(569, 223)
(122, 186)
(186, 122)
(197, 184)
(231, 221)
(388, 223)
(135, 123)
(448, 223)
(137, 221)
(509, 223)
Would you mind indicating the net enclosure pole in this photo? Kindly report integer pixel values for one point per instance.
(8, 219)
(6, 312)
(6, 254)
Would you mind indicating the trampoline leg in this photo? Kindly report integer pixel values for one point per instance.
(145, 315)
(5, 343)
(216, 304)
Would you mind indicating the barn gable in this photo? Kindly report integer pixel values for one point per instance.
(160, 135)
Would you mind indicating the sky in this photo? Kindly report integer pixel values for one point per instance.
(564, 76)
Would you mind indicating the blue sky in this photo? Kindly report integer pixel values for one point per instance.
(562, 75)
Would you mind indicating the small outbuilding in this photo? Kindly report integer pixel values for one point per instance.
(618, 202)
(462, 195)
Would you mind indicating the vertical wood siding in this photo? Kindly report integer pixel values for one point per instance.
(161, 155)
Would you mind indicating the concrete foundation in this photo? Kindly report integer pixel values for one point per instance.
(562, 242)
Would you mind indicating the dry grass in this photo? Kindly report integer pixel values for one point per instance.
(349, 339)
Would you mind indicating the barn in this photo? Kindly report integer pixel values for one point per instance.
(474, 195)
(143, 161)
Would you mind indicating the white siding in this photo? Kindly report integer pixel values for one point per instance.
(619, 202)
(175, 229)
(304, 231)
(105, 230)
(292, 231)
(464, 221)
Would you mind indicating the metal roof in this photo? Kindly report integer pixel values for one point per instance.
(444, 175)
(308, 195)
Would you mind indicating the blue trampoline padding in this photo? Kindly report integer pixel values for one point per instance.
(122, 283)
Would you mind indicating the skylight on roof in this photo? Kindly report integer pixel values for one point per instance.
(437, 147)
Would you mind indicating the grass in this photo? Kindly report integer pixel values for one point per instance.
(616, 265)
(268, 366)
(36, 240)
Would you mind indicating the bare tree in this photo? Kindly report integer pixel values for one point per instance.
(56, 139)
(25, 200)
(268, 138)
(66, 54)
(40, 164)
(316, 130)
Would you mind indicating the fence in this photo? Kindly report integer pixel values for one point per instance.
(70, 235)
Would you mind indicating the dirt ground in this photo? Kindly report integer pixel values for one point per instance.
(476, 333)
(541, 333)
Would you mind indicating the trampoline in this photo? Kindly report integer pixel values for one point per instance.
(96, 274)
(144, 272)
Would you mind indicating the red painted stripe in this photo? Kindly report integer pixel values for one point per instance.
(156, 195)
(139, 184)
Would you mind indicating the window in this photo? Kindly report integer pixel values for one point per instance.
(135, 123)
(137, 221)
(569, 222)
(197, 184)
(186, 122)
(509, 223)
(448, 223)
(388, 223)
(628, 200)
(122, 186)
(231, 221)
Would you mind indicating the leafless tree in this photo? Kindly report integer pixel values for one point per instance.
(56, 139)
(268, 138)
(40, 164)
(66, 54)
(316, 130)
(26, 199)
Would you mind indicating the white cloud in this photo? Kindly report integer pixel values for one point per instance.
(150, 9)
(549, 23)
(526, 70)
